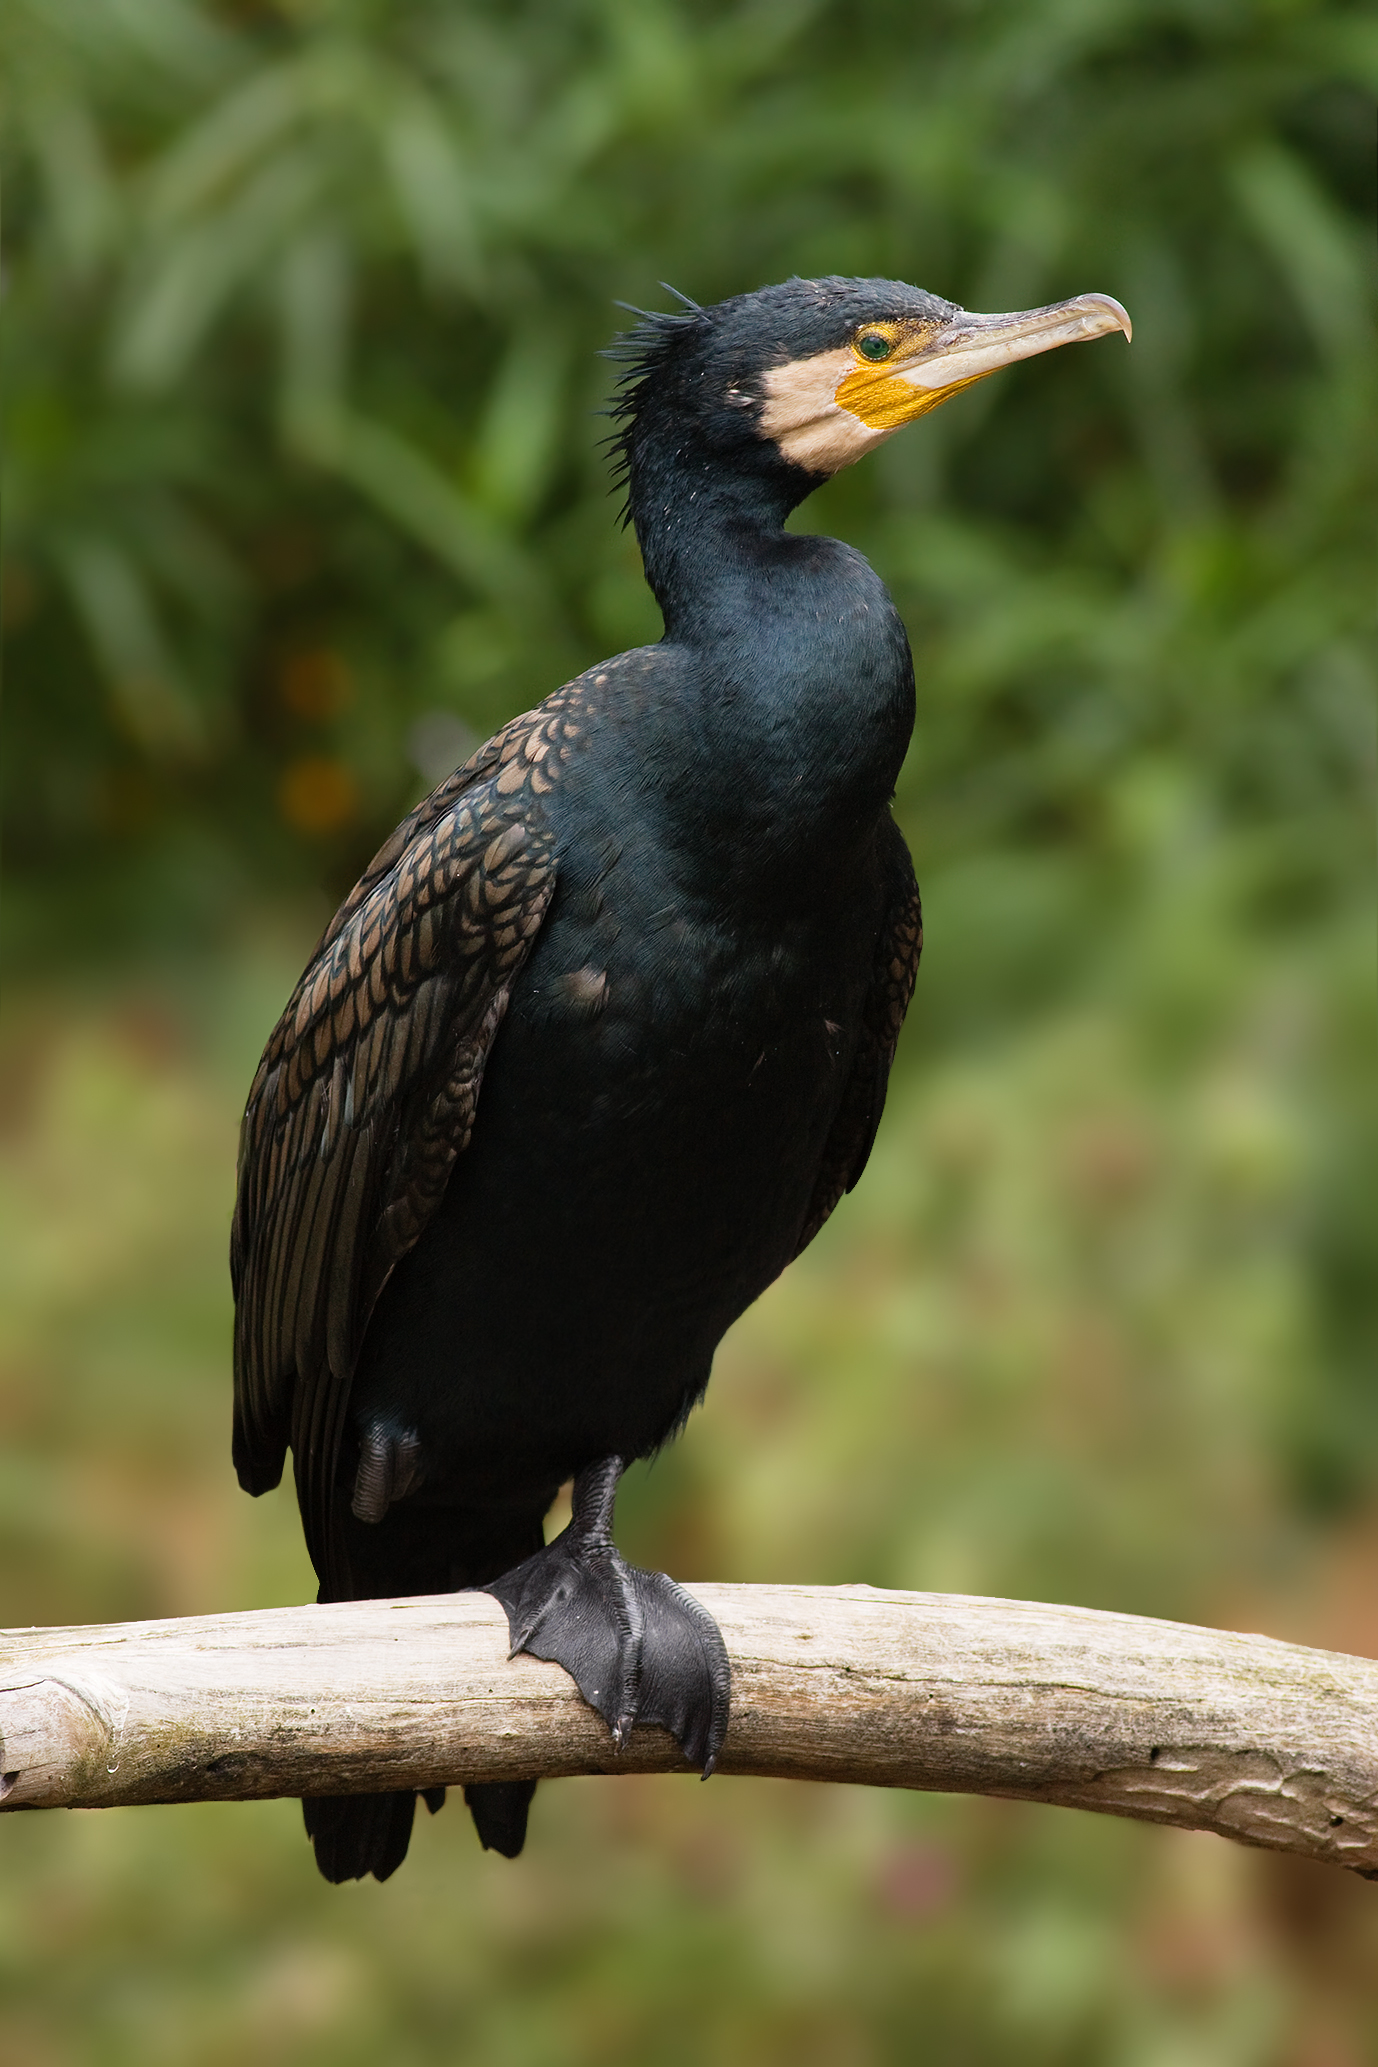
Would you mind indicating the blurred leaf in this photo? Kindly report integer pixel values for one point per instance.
(123, 627)
(517, 440)
(433, 192)
(1319, 253)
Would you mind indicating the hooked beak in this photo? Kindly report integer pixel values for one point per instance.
(944, 357)
(967, 346)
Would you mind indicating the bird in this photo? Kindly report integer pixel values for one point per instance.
(602, 1034)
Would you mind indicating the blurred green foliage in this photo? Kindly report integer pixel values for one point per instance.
(302, 490)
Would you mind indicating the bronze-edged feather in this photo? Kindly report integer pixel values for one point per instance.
(365, 1096)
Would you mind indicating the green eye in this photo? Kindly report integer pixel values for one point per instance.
(872, 345)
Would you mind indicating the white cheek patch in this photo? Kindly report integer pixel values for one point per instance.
(803, 417)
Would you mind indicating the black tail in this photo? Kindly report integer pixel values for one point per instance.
(499, 1810)
(358, 1834)
(412, 1552)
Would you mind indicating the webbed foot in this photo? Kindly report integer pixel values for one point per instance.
(639, 1648)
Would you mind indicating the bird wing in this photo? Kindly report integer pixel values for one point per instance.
(367, 1093)
(895, 966)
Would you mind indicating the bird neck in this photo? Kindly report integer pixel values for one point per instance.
(794, 687)
(702, 524)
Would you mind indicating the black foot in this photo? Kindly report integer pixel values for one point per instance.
(638, 1647)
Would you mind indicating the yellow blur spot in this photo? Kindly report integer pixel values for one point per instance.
(318, 794)
(18, 595)
(127, 800)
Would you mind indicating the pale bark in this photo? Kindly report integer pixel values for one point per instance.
(1261, 1741)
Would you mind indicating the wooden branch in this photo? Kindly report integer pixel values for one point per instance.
(1260, 1741)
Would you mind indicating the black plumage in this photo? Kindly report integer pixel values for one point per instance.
(601, 1037)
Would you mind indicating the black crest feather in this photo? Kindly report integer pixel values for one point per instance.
(642, 353)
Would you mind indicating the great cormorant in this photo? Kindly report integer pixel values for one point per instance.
(602, 1034)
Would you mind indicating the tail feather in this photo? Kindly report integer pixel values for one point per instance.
(418, 1551)
(499, 1809)
(358, 1834)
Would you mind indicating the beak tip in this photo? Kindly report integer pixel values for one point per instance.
(1116, 310)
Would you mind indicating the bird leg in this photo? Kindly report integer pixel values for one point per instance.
(639, 1648)
(389, 1469)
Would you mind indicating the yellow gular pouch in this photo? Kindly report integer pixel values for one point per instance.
(883, 403)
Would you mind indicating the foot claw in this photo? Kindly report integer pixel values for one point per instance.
(639, 1648)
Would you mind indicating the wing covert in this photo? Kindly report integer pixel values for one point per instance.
(367, 1093)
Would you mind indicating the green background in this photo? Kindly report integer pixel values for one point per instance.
(303, 493)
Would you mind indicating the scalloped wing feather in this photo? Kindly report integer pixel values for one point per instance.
(367, 1093)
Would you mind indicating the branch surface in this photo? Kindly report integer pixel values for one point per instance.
(1261, 1741)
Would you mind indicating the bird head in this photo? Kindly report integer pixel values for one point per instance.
(811, 374)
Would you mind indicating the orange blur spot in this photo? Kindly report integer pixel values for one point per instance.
(318, 794)
(315, 683)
